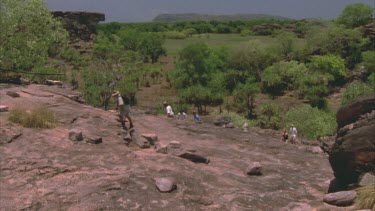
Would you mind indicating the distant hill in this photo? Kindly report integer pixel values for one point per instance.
(205, 17)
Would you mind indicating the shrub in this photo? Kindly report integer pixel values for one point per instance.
(310, 122)
(38, 117)
(174, 35)
(366, 197)
(270, 116)
(330, 64)
(246, 32)
(369, 61)
(371, 81)
(353, 91)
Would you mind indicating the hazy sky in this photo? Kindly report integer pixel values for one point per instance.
(146, 10)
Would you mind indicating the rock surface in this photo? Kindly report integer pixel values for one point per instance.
(353, 152)
(4, 108)
(75, 135)
(367, 179)
(150, 137)
(221, 121)
(13, 94)
(254, 169)
(194, 157)
(41, 170)
(342, 198)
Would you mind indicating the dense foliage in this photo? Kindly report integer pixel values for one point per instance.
(312, 123)
(355, 90)
(27, 32)
(355, 15)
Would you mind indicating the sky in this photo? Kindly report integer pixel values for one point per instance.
(146, 10)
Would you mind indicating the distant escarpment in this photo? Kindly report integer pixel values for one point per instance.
(206, 17)
(81, 27)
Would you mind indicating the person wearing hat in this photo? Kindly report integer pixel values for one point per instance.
(169, 110)
(293, 134)
(123, 105)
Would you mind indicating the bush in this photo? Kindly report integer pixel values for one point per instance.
(366, 197)
(38, 117)
(311, 123)
(369, 61)
(270, 116)
(353, 91)
(371, 81)
(246, 32)
(330, 64)
(174, 35)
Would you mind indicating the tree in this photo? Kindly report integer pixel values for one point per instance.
(329, 64)
(369, 61)
(270, 115)
(285, 42)
(151, 45)
(28, 30)
(246, 93)
(314, 87)
(355, 15)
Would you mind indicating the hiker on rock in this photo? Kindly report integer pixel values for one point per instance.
(123, 106)
(196, 118)
(182, 115)
(293, 134)
(284, 136)
(169, 110)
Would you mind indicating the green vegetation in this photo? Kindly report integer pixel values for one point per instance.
(312, 123)
(355, 15)
(329, 64)
(369, 61)
(270, 115)
(37, 117)
(204, 17)
(354, 90)
(27, 32)
(366, 198)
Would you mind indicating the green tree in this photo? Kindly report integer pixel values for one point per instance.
(355, 15)
(285, 42)
(151, 46)
(270, 115)
(369, 61)
(314, 87)
(329, 64)
(28, 31)
(246, 93)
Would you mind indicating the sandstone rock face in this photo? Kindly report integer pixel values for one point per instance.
(353, 152)
(165, 184)
(342, 198)
(81, 27)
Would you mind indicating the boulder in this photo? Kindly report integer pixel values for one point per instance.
(174, 145)
(254, 169)
(142, 143)
(165, 184)
(75, 135)
(353, 152)
(151, 138)
(342, 198)
(93, 139)
(367, 179)
(194, 157)
(4, 108)
(326, 144)
(160, 148)
(223, 120)
(355, 109)
(13, 94)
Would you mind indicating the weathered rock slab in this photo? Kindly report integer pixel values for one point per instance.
(342, 198)
(194, 157)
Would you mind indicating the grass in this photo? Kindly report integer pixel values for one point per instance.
(37, 117)
(232, 41)
(366, 197)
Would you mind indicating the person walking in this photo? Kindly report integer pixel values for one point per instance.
(123, 106)
(293, 134)
(168, 109)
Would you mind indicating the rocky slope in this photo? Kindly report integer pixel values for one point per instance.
(44, 170)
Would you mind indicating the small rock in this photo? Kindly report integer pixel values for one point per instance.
(254, 169)
(152, 138)
(194, 157)
(314, 150)
(229, 125)
(245, 127)
(163, 149)
(13, 94)
(4, 108)
(142, 143)
(165, 184)
(174, 145)
(94, 140)
(75, 135)
(367, 179)
(221, 121)
(342, 198)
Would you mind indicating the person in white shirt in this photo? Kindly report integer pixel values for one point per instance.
(293, 134)
(123, 106)
(169, 110)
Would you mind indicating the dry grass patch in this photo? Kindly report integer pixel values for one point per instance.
(366, 197)
(37, 117)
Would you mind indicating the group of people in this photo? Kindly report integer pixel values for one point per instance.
(293, 135)
(181, 115)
